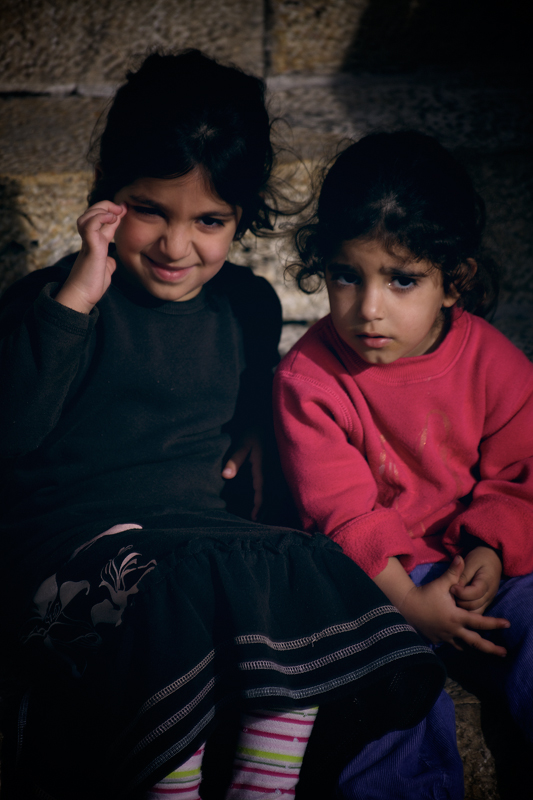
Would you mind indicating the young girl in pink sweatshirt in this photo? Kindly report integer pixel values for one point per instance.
(405, 424)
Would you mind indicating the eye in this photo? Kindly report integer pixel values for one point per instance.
(403, 282)
(147, 211)
(211, 222)
(347, 278)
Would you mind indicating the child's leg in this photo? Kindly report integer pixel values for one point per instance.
(269, 753)
(183, 783)
(421, 762)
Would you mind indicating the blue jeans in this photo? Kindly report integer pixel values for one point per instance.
(423, 763)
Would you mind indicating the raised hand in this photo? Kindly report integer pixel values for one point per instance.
(479, 580)
(91, 273)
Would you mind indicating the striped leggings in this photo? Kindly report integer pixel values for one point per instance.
(268, 759)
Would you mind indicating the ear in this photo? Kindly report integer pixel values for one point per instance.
(465, 273)
(451, 297)
(471, 267)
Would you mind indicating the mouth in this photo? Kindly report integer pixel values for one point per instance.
(166, 272)
(374, 341)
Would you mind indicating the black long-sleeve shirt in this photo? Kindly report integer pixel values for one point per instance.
(127, 411)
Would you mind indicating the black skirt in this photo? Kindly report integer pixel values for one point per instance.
(153, 631)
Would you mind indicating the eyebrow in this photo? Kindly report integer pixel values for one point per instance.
(409, 273)
(146, 201)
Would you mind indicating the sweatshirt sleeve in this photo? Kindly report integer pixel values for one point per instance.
(330, 479)
(258, 310)
(41, 344)
(501, 509)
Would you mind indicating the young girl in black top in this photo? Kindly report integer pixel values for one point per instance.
(135, 379)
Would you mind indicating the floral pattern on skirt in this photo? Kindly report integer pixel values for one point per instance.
(65, 613)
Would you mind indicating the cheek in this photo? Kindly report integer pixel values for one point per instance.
(341, 306)
(216, 251)
(130, 235)
(421, 324)
(415, 323)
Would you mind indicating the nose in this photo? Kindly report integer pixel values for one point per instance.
(176, 243)
(370, 303)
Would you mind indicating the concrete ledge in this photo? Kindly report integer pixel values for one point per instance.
(478, 761)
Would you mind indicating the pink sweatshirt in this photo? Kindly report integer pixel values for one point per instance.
(401, 459)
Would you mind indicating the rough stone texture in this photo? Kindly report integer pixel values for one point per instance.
(478, 761)
(305, 35)
(46, 134)
(388, 35)
(461, 109)
(87, 44)
(38, 220)
(268, 258)
(495, 754)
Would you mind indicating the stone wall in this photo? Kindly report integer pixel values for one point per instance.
(60, 60)
(62, 45)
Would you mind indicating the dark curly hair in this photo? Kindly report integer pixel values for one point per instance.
(182, 111)
(404, 190)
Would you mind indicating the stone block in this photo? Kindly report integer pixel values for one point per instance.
(391, 36)
(46, 134)
(88, 44)
(38, 223)
(459, 109)
(311, 35)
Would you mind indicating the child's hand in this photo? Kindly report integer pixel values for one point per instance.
(250, 447)
(479, 581)
(91, 274)
(432, 610)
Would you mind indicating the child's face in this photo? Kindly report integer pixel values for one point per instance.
(385, 307)
(176, 234)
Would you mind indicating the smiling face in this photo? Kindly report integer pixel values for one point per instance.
(175, 236)
(384, 306)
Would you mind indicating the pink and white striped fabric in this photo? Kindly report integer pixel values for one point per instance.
(269, 753)
(183, 783)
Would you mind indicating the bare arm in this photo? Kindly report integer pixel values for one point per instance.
(432, 610)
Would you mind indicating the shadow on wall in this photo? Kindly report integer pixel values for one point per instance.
(15, 243)
(404, 35)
